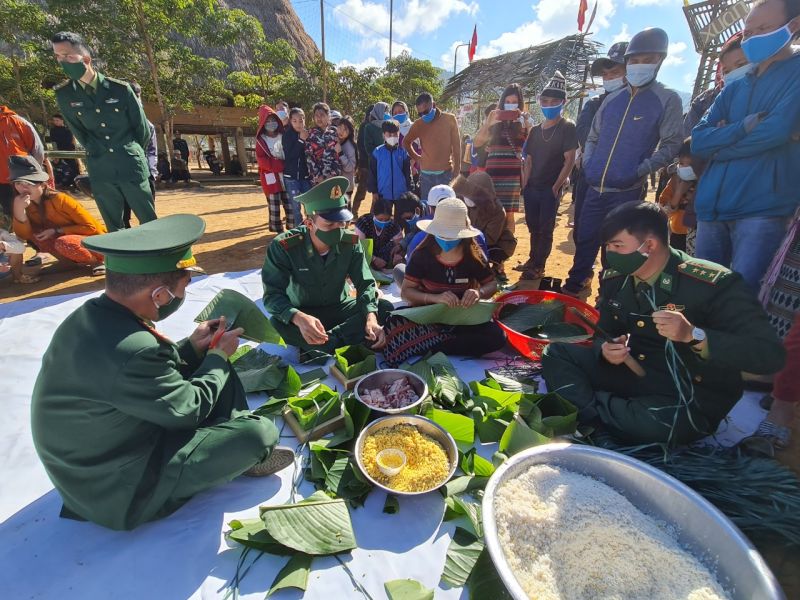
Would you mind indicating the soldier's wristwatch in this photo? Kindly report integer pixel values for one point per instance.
(698, 336)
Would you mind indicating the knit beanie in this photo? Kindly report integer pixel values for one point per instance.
(557, 87)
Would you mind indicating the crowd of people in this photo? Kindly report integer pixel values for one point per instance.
(696, 287)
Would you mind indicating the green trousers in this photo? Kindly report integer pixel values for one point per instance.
(634, 409)
(345, 324)
(112, 196)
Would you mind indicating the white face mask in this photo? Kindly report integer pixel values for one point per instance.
(640, 75)
(739, 73)
(687, 174)
(393, 141)
(510, 106)
(612, 85)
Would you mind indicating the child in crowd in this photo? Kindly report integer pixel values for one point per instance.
(678, 200)
(389, 166)
(269, 154)
(180, 170)
(322, 146)
(295, 166)
(348, 155)
(164, 168)
(408, 210)
(385, 233)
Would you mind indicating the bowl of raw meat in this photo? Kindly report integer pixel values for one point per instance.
(391, 391)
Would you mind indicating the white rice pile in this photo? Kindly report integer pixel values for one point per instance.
(568, 536)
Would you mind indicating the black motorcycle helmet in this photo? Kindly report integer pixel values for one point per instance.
(651, 40)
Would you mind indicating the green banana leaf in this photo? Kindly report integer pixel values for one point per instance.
(558, 414)
(523, 318)
(262, 372)
(240, 311)
(252, 533)
(474, 464)
(318, 525)
(368, 245)
(294, 574)
(319, 405)
(407, 589)
(461, 427)
(441, 314)
(484, 581)
(355, 361)
(465, 505)
(570, 333)
(462, 555)
(519, 436)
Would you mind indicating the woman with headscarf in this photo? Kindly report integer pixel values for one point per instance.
(505, 131)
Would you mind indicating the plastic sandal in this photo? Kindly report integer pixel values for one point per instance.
(779, 435)
(26, 279)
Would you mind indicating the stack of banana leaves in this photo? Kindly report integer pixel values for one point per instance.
(543, 321)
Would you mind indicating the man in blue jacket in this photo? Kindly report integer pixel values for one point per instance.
(637, 130)
(751, 186)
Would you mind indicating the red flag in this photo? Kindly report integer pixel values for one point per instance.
(473, 43)
(582, 8)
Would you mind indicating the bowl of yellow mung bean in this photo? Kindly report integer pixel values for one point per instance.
(431, 454)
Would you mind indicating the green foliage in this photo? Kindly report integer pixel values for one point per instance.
(407, 589)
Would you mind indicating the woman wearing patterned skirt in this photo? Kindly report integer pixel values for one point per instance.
(505, 131)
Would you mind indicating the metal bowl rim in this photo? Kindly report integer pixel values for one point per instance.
(367, 430)
(392, 411)
(490, 527)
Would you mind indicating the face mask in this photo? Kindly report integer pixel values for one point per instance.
(428, 117)
(552, 112)
(737, 74)
(447, 245)
(393, 140)
(612, 85)
(271, 126)
(761, 47)
(331, 238)
(74, 70)
(380, 224)
(687, 174)
(400, 117)
(639, 75)
(387, 117)
(168, 308)
(627, 264)
(282, 114)
(412, 221)
(510, 106)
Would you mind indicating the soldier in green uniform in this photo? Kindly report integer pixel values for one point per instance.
(106, 118)
(305, 278)
(693, 326)
(130, 425)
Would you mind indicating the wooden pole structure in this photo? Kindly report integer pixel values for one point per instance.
(324, 60)
(391, 15)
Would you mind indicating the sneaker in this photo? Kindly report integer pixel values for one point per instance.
(98, 271)
(280, 458)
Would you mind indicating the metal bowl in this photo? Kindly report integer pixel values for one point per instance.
(701, 528)
(423, 425)
(377, 379)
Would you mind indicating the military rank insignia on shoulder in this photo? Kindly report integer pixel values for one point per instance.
(117, 81)
(291, 241)
(703, 270)
(61, 85)
(611, 274)
(350, 238)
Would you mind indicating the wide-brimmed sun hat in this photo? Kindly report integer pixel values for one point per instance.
(450, 222)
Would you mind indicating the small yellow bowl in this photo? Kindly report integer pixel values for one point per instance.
(391, 461)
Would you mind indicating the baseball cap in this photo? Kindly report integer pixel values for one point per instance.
(615, 56)
(438, 193)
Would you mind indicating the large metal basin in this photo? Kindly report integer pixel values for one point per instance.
(423, 425)
(379, 378)
(701, 528)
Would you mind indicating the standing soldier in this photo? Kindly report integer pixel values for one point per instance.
(110, 124)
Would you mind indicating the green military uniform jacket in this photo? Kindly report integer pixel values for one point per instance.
(713, 298)
(111, 125)
(115, 412)
(296, 277)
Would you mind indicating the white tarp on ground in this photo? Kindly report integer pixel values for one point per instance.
(185, 555)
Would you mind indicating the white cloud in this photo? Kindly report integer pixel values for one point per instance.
(644, 2)
(623, 36)
(675, 54)
(413, 17)
(381, 44)
(364, 64)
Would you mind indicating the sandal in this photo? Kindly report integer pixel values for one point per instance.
(98, 270)
(524, 266)
(26, 279)
(280, 458)
(532, 274)
(779, 435)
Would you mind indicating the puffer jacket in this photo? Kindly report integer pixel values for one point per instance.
(754, 168)
(628, 127)
(269, 167)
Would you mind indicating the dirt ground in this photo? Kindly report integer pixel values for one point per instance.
(236, 239)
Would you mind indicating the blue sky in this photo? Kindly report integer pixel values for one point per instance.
(357, 31)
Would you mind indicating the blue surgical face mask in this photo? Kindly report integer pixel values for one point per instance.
(271, 126)
(759, 48)
(641, 75)
(447, 245)
(510, 106)
(429, 116)
(380, 224)
(612, 85)
(687, 173)
(282, 115)
(412, 221)
(737, 74)
(552, 112)
(400, 117)
(387, 117)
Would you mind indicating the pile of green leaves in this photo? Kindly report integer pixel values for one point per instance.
(316, 526)
(317, 406)
(478, 313)
(544, 321)
(263, 372)
(355, 361)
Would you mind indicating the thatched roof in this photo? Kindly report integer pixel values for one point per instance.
(531, 68)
